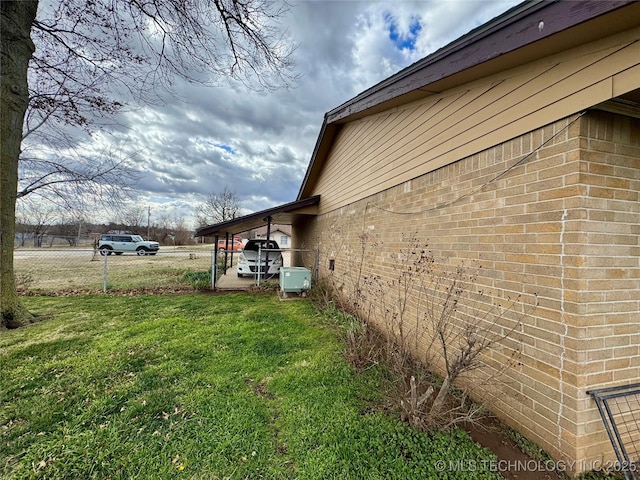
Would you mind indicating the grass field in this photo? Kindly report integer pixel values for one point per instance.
(201, 386)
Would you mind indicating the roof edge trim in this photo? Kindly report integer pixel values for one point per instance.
(514, 24)
(225, 226)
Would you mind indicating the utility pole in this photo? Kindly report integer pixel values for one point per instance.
(148, 222)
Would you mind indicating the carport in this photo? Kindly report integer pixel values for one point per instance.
(286, 214)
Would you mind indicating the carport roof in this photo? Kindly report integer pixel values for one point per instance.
(282, 214)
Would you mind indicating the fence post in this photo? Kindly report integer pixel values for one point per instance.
(104, 273)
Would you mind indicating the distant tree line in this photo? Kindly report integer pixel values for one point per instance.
(39, 226)
(42, 224)
(85, 234)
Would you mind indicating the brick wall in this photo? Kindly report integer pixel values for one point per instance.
(551, 217)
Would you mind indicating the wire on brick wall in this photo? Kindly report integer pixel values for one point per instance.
(484, 185)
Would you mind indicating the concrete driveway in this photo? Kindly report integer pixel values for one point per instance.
(230, 280)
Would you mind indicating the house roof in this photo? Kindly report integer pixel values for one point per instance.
(529, 31)
(282, 214)
(286, 229)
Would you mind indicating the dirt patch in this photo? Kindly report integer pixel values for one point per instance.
(260, 389)
(512, 462)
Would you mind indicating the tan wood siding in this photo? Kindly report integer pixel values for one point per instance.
(381, 151)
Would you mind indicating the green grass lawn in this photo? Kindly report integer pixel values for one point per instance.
(202, 387)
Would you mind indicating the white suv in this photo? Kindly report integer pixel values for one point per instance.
(120, 244)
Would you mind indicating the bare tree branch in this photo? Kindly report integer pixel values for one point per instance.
(93, 57)
(218, 207)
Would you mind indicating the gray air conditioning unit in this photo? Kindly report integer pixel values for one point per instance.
(295, 279)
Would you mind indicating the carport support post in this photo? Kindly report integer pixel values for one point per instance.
(267, 245)
(259, 266)
(268, 228)
(226, 251)
(214, 263)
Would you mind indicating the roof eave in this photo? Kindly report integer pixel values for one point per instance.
(506, 35)
(523, 25)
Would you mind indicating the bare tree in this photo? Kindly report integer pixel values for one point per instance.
(36, 219)
(218, 207)
(72, 226)
(75, 180)
(174, 227)
(133, 217)
(93, 55)
(70, 99)
(16, 48)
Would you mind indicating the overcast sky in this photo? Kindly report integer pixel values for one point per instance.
(259, 144)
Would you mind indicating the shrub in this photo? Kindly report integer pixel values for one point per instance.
(428, 323)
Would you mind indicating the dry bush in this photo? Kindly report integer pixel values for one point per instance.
(23, 282)
(430, 325)
(364, 343)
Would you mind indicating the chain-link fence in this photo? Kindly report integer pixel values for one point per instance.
(58, 270)
(49, 270)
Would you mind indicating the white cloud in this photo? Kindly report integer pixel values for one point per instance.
(259, 144)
